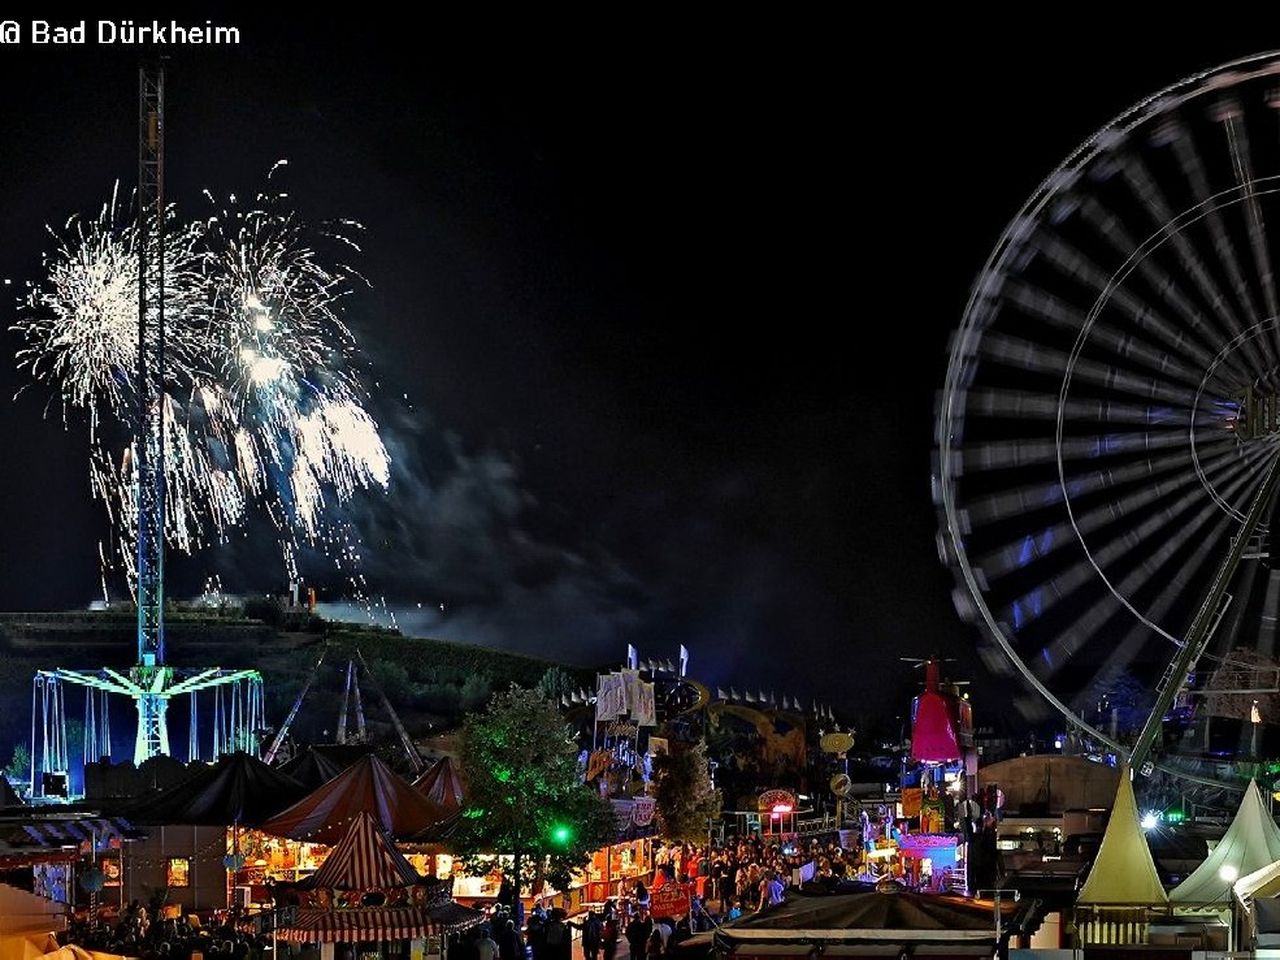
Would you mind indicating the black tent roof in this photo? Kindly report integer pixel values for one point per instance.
(238, 789)
(312, 769)
(8, 796)
(887, 913)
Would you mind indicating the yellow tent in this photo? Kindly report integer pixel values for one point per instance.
(1123, 872)
(27, 923)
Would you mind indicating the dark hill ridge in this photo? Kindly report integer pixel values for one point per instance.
(430, 682)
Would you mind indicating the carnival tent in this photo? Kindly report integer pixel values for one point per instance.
(442, 784)
(239, 789)
(1251, 843)
(364, 858)
(365, 862)
(324, 815)
(1123, 872)
(318, 765)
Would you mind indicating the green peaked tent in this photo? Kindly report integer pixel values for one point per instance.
(1124, 872)
(1250, 843)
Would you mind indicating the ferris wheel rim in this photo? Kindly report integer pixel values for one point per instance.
(962, 353)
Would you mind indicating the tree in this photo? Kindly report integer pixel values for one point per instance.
(19, 767)
(525, 796)
(686, 799)
(555, 683)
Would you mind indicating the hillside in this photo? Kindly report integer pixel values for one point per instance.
(430, 682)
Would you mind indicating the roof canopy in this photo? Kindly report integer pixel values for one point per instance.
(364, 859)
(324, 815)
(1123, 872)
(1251, 843)
(238, 789)
(888, 914)
(442, 784)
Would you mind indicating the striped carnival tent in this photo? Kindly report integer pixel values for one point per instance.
(364, 858)
(366, 863)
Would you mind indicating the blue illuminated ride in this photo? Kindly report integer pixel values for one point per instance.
(1108, 435)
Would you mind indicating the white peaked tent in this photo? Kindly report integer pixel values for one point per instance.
(1250, 843)
(1123, 872)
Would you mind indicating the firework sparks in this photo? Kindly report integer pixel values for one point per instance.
(264, 404)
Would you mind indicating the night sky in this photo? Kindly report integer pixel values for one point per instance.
(657, 311)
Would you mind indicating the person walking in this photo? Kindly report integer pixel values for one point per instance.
(592, 934)
(639, 930)
(609, 933)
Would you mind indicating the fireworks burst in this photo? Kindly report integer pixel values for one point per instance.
(265, 411)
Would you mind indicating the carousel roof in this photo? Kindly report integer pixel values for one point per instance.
(237, 789)
(369, 785)
(365, 858)
(364, 924)
(887, 913)
(442, 784)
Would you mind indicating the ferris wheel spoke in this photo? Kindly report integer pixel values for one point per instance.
(1020, 354)
(1016, 554)
(1002, 505)
(1006, 454)
(1122, 344)
(1241, 161)
(1179, 339)
(1102, 557)
(1148, 191)
(1193, 168)
(1011, 404)
(1181, 577)
(1142, 315)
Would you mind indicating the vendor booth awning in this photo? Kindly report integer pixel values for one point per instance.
(311, 925)
(53, 832)
(237, 789)
(1123, 872)
(1251, 843)
(324, 815)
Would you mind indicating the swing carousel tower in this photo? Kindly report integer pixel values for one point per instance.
(151, 683)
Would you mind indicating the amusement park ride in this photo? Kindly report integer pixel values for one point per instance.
(1108, 439)
(151, 683)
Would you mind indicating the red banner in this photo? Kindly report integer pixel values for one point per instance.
(670, 900)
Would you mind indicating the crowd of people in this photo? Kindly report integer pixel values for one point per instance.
(135, 933)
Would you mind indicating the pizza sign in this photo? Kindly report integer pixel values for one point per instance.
(670, 900)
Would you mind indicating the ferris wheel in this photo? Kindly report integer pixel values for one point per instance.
(1108, 435)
